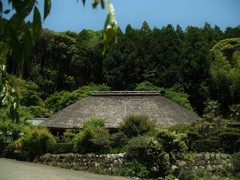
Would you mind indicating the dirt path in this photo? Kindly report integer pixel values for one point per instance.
(18, 170)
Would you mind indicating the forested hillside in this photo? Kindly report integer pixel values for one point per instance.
(202, 62)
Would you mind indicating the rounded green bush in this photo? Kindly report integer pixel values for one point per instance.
(118, 139)
(34, 144)
(149, 153)
(92, 139)
(135, 125)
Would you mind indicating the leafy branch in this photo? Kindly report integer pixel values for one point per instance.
(8, 95)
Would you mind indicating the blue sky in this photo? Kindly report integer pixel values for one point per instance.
(71, 15)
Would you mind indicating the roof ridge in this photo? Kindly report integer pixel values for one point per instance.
(125, 93)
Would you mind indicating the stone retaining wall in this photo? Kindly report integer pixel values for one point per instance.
(207, 161)
(86, 162)
(108, 163)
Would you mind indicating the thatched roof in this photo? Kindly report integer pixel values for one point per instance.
(114, 106)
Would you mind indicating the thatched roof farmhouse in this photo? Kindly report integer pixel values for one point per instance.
(114, 106)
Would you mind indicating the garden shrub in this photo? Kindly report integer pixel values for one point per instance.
(226, 171)
(230, 140)
(135, 125)
(34, 144)
(192, 136)
(208, 125)
(206, 145)
(70, 134)
(172, 143)
(236, 162)
(92, 139)
(180, 128)
(188, 175)
(118, 139)
(147, 152)
(9, 151)
(97, 170)
(135, 169)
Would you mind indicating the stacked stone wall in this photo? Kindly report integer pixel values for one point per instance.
(109, 163)
(206, 161)
(86, 162)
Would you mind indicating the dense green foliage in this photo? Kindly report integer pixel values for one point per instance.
(6, 126)
(225, 71)
(211, 134)
(18, 36)
(168, 57)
